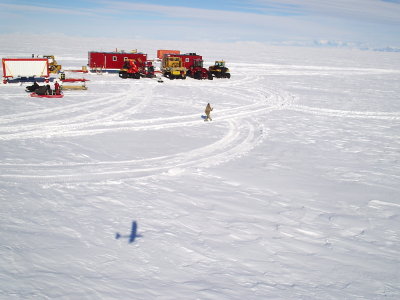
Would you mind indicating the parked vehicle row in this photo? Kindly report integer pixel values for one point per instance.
(173, 65)
(133, 64)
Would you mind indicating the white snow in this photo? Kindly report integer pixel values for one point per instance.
(291, 192)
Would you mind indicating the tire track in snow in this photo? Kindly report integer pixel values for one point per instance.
(102, 125)
(106, 103)
(117, 107)
(62, 110)
(241, 137)
(344, 113)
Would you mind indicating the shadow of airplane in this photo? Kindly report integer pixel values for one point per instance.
(132, 236)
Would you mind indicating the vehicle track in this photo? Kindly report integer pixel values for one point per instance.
(345, 113)
(240, 137)
(113, 113)
(86, 115)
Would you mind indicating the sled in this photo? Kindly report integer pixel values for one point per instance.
(81, 71)
(46, 96)
(74, 80)
(73, 87)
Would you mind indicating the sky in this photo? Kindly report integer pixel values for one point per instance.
(373, 23)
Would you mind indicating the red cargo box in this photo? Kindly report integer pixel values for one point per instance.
(160, 53)
(113, 61)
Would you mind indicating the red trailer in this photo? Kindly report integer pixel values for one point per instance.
(113, 61)
(25, 68)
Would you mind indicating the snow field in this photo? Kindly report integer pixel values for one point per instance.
(291, 192)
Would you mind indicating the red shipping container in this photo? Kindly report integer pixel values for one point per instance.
(113, 61)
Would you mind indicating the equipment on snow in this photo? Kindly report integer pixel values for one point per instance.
(219, 70)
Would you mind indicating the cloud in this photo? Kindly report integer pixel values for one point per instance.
(260, 20)
(365, 10)
(43, 9)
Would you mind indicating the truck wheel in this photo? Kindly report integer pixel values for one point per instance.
(171, 77)
(228, 75)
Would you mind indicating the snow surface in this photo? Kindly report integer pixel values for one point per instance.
(291, 192)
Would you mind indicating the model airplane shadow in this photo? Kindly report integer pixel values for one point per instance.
(132, 236)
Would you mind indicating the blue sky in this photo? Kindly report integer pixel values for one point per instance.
(371, 22)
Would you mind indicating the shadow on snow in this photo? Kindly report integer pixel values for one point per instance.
(132, 236)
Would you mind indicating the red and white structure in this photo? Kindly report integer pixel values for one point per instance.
(25, 67)
(113, 61)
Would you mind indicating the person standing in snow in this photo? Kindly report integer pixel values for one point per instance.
(208, 110)
(57, 88)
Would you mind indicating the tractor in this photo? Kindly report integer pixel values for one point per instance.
(54, 67)
(129, 70)
(172, 67)
(194, 65)
(147, 70)
(219, 70)
(197, 71)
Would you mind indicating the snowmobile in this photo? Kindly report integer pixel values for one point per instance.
(32, 88)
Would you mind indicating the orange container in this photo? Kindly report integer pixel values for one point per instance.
(160, 53)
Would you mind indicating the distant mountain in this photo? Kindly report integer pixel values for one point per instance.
(338, 44)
